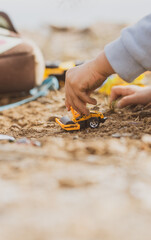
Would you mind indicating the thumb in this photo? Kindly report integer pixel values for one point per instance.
(128, 100)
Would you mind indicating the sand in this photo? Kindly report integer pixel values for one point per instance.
(86, 185)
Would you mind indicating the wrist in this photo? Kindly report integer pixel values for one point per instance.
(103, 66)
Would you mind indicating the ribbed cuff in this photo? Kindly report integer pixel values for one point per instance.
(122, 62)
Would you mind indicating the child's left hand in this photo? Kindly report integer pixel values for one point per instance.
(131, 95)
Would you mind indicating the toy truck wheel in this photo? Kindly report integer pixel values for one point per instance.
(94, 123)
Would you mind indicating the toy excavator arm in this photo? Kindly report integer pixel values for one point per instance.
(74, 113)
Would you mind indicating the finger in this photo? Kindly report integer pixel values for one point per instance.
(67, 105)
(87, 99)
(69, 99)
(76, 102)
(78, 105)
(81, 110)
(118, 91)
(128, 100)
(66, 99)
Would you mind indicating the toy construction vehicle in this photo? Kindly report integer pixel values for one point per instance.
(79, 122)
(58, 69)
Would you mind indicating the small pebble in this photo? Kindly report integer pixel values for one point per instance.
(146, 139)
(6, 137)
(127, 134)
(75, 137)
(116, 135)
(27, 141)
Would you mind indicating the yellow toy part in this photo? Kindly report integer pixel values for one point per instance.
(79, 122)
(115, 80)
(67, 125)
(58, 68)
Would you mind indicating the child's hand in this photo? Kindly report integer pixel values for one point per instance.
(131, 95)
(81, 81)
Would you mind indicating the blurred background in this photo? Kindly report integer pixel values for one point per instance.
(33, 13)
(73, 29)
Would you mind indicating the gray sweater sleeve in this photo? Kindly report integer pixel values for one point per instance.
(130, 55)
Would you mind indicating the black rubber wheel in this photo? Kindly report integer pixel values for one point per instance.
(94, 123)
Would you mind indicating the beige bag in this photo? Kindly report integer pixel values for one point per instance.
(21, 62)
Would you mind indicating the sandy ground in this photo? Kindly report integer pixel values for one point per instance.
(86, 185)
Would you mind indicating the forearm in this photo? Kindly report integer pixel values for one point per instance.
(102, 65)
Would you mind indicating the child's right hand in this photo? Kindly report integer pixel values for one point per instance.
(130, 95)
(81, 81)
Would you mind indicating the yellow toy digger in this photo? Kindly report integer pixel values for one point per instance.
(79, 122)
(58, 69)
